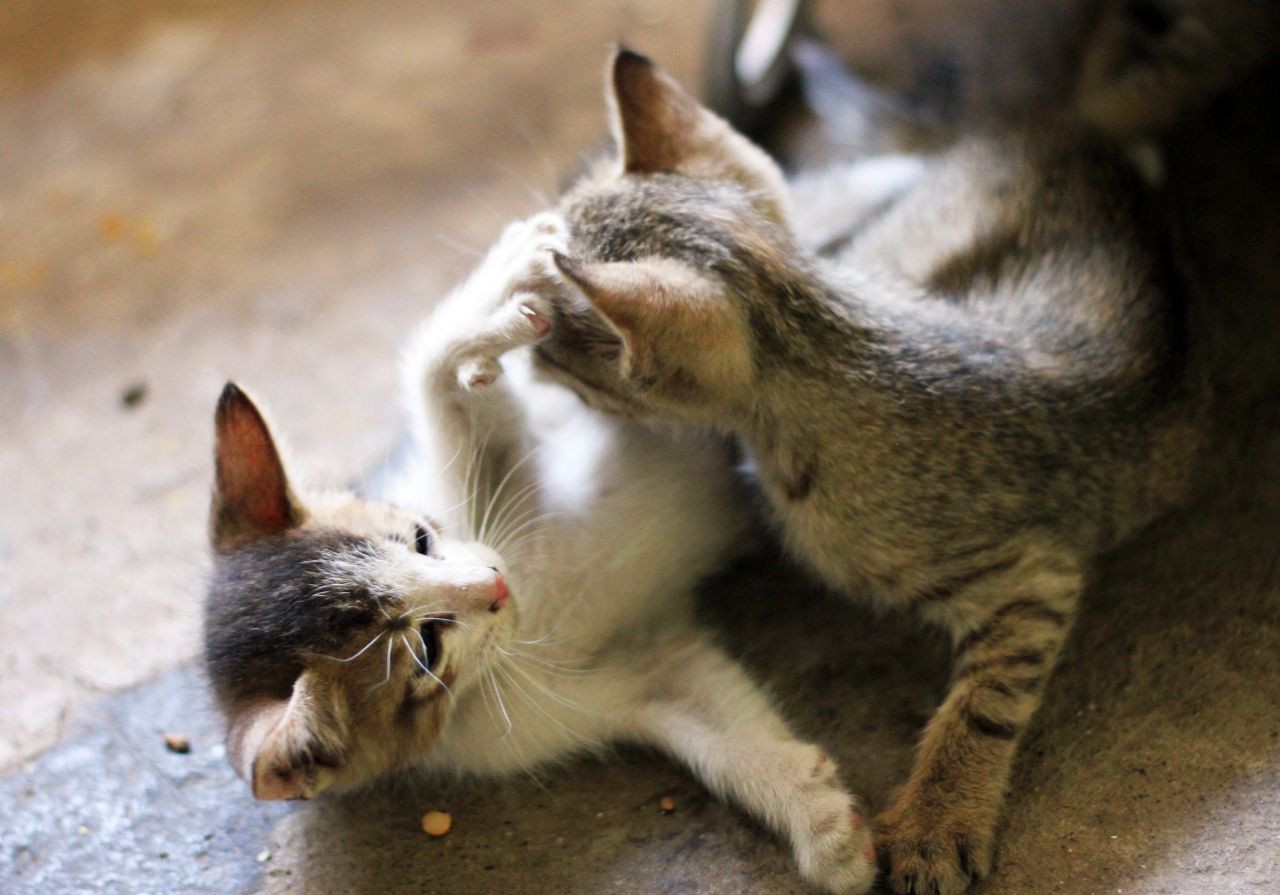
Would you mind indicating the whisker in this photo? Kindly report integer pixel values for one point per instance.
(440, 618)
(422, 665)
(390, 643)
(536, 706)
(546, 691)
(357, 654)
(461, 247)
(553, 667)
(501, 705)
(497, 493)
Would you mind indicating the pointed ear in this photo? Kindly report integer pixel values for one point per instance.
(281, 748)
(667, 314)
(251, 495)
(620, 291)
(660, 128)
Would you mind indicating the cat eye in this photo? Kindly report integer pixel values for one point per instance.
(422, 540)
(430, 633)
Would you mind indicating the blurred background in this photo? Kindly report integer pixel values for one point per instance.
(197, 190)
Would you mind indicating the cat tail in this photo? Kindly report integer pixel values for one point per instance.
(1150, 64)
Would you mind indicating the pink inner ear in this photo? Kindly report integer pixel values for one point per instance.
(252, 489)
(255, 475)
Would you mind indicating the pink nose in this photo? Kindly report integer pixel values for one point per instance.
(499, 593)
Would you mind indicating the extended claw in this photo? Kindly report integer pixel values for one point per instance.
(539, 323)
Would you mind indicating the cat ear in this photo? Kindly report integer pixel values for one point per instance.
(625, 294)
(666, 313)
(660, 128)
(251, 495)
(281, 747)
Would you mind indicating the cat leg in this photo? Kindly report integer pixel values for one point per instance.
(467, 421)
(702, 709)
(938, 834)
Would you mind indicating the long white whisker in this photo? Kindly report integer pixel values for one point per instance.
(421, 665)
(501, 705)
(390, 643)
(552, 667)
(546, 691)
(497, 493)
(440, 618)
(536, 706)
(525, 525)
(511, 512)
(364, 649)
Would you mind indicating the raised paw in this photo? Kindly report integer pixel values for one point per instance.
(507, 302)
(521, 262)
(937, 852)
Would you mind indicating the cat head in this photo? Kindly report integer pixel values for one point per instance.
(338, 631)
(668, 241)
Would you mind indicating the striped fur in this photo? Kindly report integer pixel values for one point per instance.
(954, 409)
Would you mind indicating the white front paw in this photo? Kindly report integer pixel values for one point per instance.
(510, 296)
(835, 850)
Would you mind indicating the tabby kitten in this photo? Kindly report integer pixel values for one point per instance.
(519, 593)
(960, 378)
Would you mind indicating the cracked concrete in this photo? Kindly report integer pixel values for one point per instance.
(277, 191)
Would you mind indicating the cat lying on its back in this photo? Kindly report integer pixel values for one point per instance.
(974, 387)
(522, 593)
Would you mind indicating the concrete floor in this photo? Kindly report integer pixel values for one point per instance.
(275, 192)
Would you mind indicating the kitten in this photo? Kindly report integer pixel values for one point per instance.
(960, 378)
(519, 594)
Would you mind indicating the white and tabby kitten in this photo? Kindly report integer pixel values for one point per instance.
(522, 593)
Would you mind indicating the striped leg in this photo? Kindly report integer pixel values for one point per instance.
(939, 833)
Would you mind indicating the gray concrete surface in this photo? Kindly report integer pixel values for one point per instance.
(276, 191)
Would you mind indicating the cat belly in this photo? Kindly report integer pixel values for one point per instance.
(854, 559)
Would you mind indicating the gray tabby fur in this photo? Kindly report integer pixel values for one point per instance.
(960, 377)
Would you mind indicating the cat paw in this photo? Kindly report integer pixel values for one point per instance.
(520, 263)
(933, 852)
(836, 852)
(511, 292)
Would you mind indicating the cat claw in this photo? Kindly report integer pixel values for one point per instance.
(539, 323)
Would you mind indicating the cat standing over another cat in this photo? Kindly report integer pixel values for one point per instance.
(520, 593)
(959, 376)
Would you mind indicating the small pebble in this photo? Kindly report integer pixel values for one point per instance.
(436, 823)
(133, 395)
(667, 804)
(112, 226)
(264, 856)
(176, 742)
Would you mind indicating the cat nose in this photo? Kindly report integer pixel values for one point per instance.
(500, 592)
